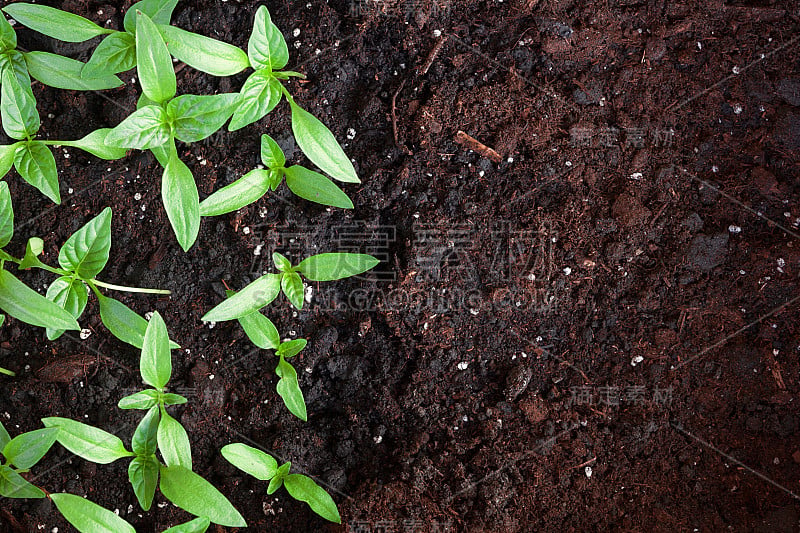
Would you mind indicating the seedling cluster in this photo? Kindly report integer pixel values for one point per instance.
(159, 455)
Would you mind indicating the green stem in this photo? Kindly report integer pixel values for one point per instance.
(6, 372)
(122, 288)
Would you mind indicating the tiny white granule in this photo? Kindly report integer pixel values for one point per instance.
(69, 190)
(463, 365)
(211, 377)
(636, 176)
(781, 262)
(378, 439)
(734, 229)
(137, 196)
(296, 32)
(588, 471)
(736, 70)
(737, 109)
(211, 325)
(567, 271)
(309, 294)
(437, 33)
(636, 360)
(84, 334)
(298, 44)
(246, 230)
(510, 160)
(257, 250)
(351, 133)
(474, 312)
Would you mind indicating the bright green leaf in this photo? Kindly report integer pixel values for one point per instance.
(259, 95)
(88, 442)
(276, 482)
(6, 214)
(271, 153)
(153, 62)
(96, 144)
(168, 398)
(35, 163)
(197, 496)
(88, 517)
(143, 475)
(4, 437)
(17, 107)
(238, 194)
(145, 438)
(253, 461)
(281, 262)
(256, 295)
(33, 249)
(86, 250)
(315, 187)
(116, 53)
(13, 485)
(144, 128)
(260, 330)
(198, 525)
(24, 451)
(69, 294)
(159, 11)
(14, 60)
(7, 153)
(333, 266)
(27, 305)
(173, 442)
(266, 48)
(140, 400)
(65, 73)
(289, 389)
(320, 146)
(292, 287)
(55, 23)
(155, 364)
(305, 489)
(124, 323)
(204, 53)
(181, 201)
(197, 117)
(8, 37)
(291, 348)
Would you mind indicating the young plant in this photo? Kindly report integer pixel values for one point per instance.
(303, 182)
(21, 453)
(161, 119)
(88, 517)
(117, 52)
(82, 257)
(264, 467)
(156, 432)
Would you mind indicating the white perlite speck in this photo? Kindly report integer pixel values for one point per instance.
(636, 360)
(636, 176)
(85, 333)
(351, 133)
(734, 229)
(588, 471)
(462, 365)
(137, 196)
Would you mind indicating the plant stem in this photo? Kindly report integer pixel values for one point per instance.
(6, 372)
(129, 289)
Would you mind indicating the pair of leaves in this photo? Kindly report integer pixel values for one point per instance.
(22, 452)
(264, 467)
(303, 182)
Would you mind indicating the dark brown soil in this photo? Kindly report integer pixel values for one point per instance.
(599, 332)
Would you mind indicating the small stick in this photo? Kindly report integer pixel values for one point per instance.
(432, 56)
(477, 146)
(394, 111)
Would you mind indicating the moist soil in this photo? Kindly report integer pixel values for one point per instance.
(594, 327)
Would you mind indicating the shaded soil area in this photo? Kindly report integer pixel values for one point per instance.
(597, 330)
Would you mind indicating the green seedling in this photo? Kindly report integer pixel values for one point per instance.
(303, 182)
(82, 257)
(159, 432)
(161, 119)
(21, 453)
(264, 467)
(88, 517)
(118, 52)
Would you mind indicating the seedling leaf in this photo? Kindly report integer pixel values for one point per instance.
(35, 163)
(12, 485)
(197, 117)
(266, 48)
(65, 73)
(159, 11)
(27, 305)
(24, 451)
(195, 495)
(55, 23)
(145, 399)
(293, 288)
(238, 194)
(315, 187)
(86, 250)
(181, 201)
(17, 107)
(271, 153)
(155, 364)
(89, 442)
(153, 62)
(259, 95)
(256, 295)
(198, 525)
(116, 53)
(320, 146)
(173, 442)
(143, 475)
(333, 266)
(69, 294)
(204, 53)
(253, 461)
(88, 517)
(96, 144)
(305, 489)
(289, 389)
(144, 128)
(6, 215)
(145, 438)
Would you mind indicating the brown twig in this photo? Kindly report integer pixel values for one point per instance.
(477, 146)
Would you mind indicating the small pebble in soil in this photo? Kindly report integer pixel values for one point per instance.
(463, 365)
(296, 32)
(737, 109)
(377, 439)
(298, 44)
(437, 33)
(734, 229)
(148, 315)
(736, 70)
(309, 294)
(351, 133)
(137, 196)
(636, 360)
(588, 471)
(567, 271)
(70, 191)
(257, 249)
(246, 230)
(85, 333)
(211, 377)
(636, 176)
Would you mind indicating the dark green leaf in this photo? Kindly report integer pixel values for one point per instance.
(24, 451)
(320, 146)
(27, 305)
(260, 330)
(89, 442)
(55, 23)
(140, 400)
(291, 348)
(35, 163)
(256, 295)
(204, 53)
(88, 517)
(181, 201)
(95, 143)
(276, 482)
(305, 489)
(8, 37)
(144, 128)
(173, 442)
(198, 525)
(159, 11)
(86, 250)
(17, 107)
(145, 438)
(315, 187)
(197, 117)
(7, 153)
(197, 496)
(153, 62)
(155, 364)
(123, 322)
(65, 73)
(143, 475)
(69, 294)
(253, 461)
(289, 389)
(238, 194)
(332, 266)
(12, 485)
(293, 288)
(259, 95)
(266, 48)
(6, 215)
(271, 153)
(116, 53)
